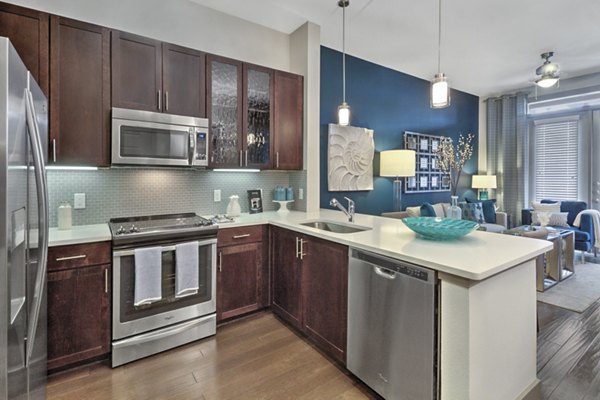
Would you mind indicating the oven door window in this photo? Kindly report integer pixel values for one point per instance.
(147, 142)
(169, 302)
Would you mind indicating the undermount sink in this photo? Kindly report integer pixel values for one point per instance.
(335, 227)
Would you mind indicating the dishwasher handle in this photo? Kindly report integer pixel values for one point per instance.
(384, 273)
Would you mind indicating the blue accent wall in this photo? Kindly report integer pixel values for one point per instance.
(390, 102)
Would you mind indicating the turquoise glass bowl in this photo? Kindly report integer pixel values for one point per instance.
(434, 228)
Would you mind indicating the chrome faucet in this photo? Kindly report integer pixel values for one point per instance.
(349, 212)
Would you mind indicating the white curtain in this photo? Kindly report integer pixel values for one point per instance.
(508, 152)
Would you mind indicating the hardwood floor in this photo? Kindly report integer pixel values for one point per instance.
(256, 358)
(568, 359)
(260, 358)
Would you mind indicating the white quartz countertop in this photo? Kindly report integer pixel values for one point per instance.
(476, 256)
(79, 234)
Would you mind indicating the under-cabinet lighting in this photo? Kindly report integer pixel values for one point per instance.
(70, 168)
(235, 170)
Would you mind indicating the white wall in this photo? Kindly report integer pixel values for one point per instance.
(180, 22)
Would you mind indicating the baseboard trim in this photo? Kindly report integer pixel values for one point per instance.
(532, 392)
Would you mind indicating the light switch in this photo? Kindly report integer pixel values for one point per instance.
(79, 200)
(217, 195)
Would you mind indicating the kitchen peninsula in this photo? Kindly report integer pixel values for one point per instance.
(487, 303)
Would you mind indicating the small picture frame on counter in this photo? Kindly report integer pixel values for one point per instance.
(255, 201)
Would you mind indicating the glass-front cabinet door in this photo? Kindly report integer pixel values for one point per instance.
(258, 95)
(224, 87)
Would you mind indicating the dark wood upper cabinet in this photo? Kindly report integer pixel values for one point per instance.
(79, 93)
(28, 31)
(136, 72)
(154, 76)
(288, 121)
(224, 109)
(184, 79)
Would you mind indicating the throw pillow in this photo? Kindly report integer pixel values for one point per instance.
(439, 210)
(489, 209)
(472, 211)
(445, 207)
(550, 218)
(546, 207)
(427, 210)
(413, 211)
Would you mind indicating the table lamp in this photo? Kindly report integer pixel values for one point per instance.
(482, 183)
(397, 163)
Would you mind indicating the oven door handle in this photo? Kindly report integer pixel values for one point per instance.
(124, 253)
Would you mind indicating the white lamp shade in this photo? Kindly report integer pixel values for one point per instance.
(344, 114)
(397, 163)
(484, 182)
(440, 92)
(546, 82)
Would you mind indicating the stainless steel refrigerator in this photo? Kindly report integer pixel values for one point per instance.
(23, 230)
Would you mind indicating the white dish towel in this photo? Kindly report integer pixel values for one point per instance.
(595, 221)
(186, 269)
(148, 275)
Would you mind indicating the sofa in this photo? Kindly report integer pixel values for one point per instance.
(497, 225)
(584, 234)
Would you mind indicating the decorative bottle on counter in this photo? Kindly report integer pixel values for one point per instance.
(64, 216)
(454, 211)
(233, 208)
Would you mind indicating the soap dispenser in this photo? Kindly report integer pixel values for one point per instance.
(233, 208)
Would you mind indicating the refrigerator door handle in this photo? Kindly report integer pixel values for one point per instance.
(41, 187)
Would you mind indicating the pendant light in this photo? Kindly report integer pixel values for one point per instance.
(344, 108)
(440, 91)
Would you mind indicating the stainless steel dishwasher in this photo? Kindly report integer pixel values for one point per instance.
(392, 323)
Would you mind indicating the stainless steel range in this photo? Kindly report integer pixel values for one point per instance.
(164, 291)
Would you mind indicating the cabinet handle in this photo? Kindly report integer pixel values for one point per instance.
(245, 235)
(241, 159)
(106, 280)
(54, 150)
(220, 261)
(71, 257)
(296, 247)
(246, 158)
(166, 100)
(277, 159)
(159, 96)
(302, 254)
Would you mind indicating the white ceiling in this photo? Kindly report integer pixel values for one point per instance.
(488, 47)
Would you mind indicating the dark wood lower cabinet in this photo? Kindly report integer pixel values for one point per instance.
(242, 271)
(78, 313)
(325, 287)
(310, 285)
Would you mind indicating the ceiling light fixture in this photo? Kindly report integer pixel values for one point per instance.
(440, 91)
(344, 108)
(549, 71)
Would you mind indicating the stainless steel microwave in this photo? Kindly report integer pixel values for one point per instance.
(157, 139)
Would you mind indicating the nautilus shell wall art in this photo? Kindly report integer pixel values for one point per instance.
(350, 158)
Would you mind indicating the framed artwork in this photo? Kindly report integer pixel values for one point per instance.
(428, 177)
(350, 155)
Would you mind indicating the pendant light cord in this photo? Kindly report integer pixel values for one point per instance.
(344, 52)
(439, 36)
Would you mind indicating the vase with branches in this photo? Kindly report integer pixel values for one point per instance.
(452, 158)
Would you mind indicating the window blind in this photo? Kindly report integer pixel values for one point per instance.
(556, 159)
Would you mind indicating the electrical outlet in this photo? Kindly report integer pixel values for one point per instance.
(79, 200)
(300, 194)
(217, 195)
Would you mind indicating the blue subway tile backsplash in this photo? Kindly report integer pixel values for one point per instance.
(121, 192)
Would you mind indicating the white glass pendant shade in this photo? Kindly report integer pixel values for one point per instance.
(440, 92)
(344, 114)
(546, 82)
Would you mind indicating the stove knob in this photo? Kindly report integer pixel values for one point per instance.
(133, 229)
(121, 230)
